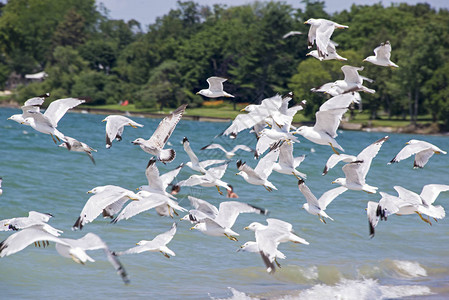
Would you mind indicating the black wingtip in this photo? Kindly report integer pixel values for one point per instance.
(77, 224)
(262, 211)
(205, 147)
(185, 139)
(325, 170)
(371, 230)
(46, 95)
(151, 162)
(240, 163)
(170, 156)
(270, 265)
(300, 181)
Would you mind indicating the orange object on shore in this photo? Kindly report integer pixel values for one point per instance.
(124, 103)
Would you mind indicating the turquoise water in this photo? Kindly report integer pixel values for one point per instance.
(407, 257)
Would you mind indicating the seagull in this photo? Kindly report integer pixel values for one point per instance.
(422, 150)
(332, 53)
(352, 82)
(147, 200)
(215, 89)
(158, 244)
(194, 162)
(321, 31)
(30, 106)
(382, 56)
(70, 248)
(356, 171)
(254, 248)
(260, 174)
(316, 206)
(48, 121)
(229, 154)
(161, 135)
(115, 125)
(268, 237)
(34, 218)
(287, 163)
(387, 206)
(72, 144)
(202, 209)
(158, 183)
(291, 33)
(211, 178)
(228, 212)
(102, 198)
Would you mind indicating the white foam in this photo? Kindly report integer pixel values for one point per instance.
(359, 290)
(311, 273)
(410, 269)
(236, 295)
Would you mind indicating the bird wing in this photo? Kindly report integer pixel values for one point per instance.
(166, 127)
(193, 158)
(328, 121)
(373, 216)
(310, 197)
(383, 51)
(422, 157)
(291, 33)
(57, 109)
(430, 192)
(115, 125)
(136, 207)
(216, 172)
(354, 174)
(216, 83)
(210, 162)
(408, 196)
(243, 167)
(266, 163)
(323, 35)
(351, 74)
(409, 150)
(329, 196)
(152, 174)
(168, 177)
(339, 101)
(276, 223)
(193, 180)
(263, 143)
(165, 238)
(286, 155)
(390, 204)
(242, 147)
(367, 154)
(334, 159)
(267, 242)
(229, 211)
(214, 146)
(22, 239)
(203, 206)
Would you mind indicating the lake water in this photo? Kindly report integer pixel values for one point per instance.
(407, 257)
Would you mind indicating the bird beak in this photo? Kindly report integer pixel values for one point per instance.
(137, 189)
(333, 182)
(134, 198)
(246, 228)
(104, 120)
(89, 192)
(308, 54)
(305, 22)
(9, 118)
(191, 228)
(242, 109)
(137, 243)
(197, 93)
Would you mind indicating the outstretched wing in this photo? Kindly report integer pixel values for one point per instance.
(216, 83)
(57, 109)
(367, 154)
(166, 127)
(230, 210)
(430, 192)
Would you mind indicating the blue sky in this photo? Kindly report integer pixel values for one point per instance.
(146, 11)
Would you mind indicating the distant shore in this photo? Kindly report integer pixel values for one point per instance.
(430, 129)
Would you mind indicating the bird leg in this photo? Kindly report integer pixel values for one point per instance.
(165, 254)
(53, 138)
(278, 264)
(297, 177)
(169, 211)
(268, 188)
(321, 219)
(232, 238)
(333, 149)
(218, 189)
(35, 244)
(422, 218)
(132, 125)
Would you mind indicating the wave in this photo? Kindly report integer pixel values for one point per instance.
(367, 289)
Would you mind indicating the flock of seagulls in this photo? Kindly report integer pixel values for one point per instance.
(271, 122)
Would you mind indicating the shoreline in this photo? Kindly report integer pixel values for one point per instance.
(426, 129)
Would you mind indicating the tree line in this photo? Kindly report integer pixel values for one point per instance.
(89, 55)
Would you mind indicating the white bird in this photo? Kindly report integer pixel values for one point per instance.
(194, 163)
(259, 175)
(34, 218)
(321, 31)
(161, 135)
(147, 200)
(115, 125)
(102, 198)
(268, 237)
(48, 121)
(228, 212)
(291, 33)
(352, 82)
(211, 178)
(70, 248)
(287, 163)
(158, 244)
(229, 154)
(356, 171)
(332, 53)
(158, 183)
(30, 106)
(382, 56)
(215, 89)
(316, 206)
(422, 150)
(72, 144)
(253, 247)
(202, 209)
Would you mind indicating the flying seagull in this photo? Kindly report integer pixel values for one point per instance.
(115, 125)
(382, 56)
(422, 150)
(320, 32)
(194, 163)
(72, 144)
(229, 154)
(161, 135)
(215, 89)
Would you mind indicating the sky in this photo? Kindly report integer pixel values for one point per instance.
(146, 11)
